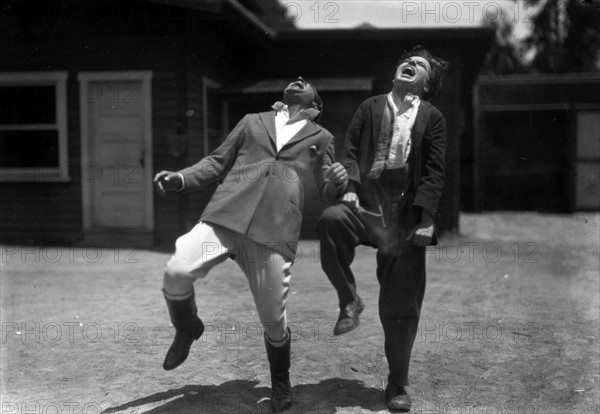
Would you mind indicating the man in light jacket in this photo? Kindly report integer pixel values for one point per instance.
(253, 217)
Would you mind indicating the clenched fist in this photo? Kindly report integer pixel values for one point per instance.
(168, 181)
(422, 234)
(336, 173)
(351, 200)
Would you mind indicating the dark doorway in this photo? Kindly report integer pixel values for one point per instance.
(527, 158)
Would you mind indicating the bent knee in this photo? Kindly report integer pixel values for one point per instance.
(176, 270)
(332, 216)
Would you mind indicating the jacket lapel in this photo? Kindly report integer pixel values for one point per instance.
(268, 120)
(377, 108)
(420, 124)
(310, 128)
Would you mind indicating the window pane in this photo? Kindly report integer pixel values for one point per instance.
(28, 149)
(27, 105)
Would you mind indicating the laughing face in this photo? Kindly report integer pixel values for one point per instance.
(299, 93)
(412, 76)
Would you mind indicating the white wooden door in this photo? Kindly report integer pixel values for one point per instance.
(116, 170)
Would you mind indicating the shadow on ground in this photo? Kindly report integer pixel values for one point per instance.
(243, 396)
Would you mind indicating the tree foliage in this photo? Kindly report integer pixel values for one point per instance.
(565, 37)
(271, 12)
(505, 56)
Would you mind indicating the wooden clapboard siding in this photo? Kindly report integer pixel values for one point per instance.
(45, 211)
(530, 149)
(181, 47)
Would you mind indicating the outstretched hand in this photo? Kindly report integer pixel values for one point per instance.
(167, 181)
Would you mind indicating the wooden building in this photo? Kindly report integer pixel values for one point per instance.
(537, 143)
(98, 96)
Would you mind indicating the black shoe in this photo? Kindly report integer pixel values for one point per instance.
(188, 328)
(397, 398)
(279, 364)
(348, 319)
(180, 348)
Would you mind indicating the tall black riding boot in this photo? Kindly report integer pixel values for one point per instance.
(279, 362)
(188, 328)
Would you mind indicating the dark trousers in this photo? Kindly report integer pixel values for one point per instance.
(401, 277)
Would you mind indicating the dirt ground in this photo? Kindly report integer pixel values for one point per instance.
(510, 324)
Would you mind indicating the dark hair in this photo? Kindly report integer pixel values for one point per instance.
(438, 67)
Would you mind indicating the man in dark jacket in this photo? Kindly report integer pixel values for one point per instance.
(254, 217)
(394, 153)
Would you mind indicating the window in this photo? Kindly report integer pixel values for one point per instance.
(33, 127)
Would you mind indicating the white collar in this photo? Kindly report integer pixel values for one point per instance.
(308, 113)
(414, 100)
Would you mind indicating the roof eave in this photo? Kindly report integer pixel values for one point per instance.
(458, 33)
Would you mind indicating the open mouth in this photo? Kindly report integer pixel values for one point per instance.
(298, 84)
(409, 70)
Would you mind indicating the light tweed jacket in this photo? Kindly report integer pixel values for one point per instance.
(261, 191)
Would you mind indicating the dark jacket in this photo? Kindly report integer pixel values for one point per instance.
(426, 162)
(261, 191)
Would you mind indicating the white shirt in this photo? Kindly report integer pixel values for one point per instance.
(286, 128)
(404, 120)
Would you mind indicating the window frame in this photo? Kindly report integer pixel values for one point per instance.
(60, 173)
(208, 85)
